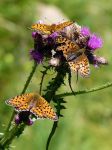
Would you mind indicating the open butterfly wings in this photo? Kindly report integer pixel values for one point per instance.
(41, 27)
(44, 110)
(20, 103)
(35, 104)
(48, 29)
(62, 25)
(79, 64)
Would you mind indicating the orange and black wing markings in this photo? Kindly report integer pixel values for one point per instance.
(33, 103)
(21, 102)
(49, 29)
(80, 65)
(61, 26)
(42, 28)
(42, 109)
(66, 46)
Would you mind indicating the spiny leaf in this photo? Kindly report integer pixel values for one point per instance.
(55, 84)
(51, 90)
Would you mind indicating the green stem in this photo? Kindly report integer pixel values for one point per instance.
(54, 127)
(70, 94)
(54, 85)
(43, 76)
(104, 86)
(55, 124)
(29, 78)
(9, 135)
(52, 88)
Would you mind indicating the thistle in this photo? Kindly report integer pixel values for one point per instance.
(65, 47)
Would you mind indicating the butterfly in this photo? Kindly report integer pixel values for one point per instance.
(66, 45)
(34, 103)
(75, 56)
(49, 29)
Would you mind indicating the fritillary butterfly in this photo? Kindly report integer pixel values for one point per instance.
(33, 103)
(75, 56)
(66, 45)
(49, 29)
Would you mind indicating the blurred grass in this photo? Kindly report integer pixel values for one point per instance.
(87, 122)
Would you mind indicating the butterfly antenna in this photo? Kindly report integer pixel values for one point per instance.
(29, 28)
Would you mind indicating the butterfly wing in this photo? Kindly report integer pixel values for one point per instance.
(42, 27)
(21, 103)
(71, 50)
(62, 25)
(42, 109)
(67, 45)
(80, 65)
(48, 29)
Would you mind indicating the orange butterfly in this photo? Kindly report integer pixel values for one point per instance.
(49, 29)
(67, 46)
(75, 56)
(33, 103)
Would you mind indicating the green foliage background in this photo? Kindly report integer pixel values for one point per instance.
(87, 121)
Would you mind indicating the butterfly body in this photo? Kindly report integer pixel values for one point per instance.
(33, 103)
(49, 29)
(75, 56)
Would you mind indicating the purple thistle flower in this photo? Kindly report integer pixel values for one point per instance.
(99, 61)
(94, 42)
(17, 119)
(36, 55)
(23, 116)
(37, 36)
(29, 122)
(54, 35)
(95, 60)
(34, 34)
(85, 31)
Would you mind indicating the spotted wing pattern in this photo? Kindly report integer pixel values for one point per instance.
(21, 103)
(42, 27)
(61, 26)
(81, 65)
(42, 109)
(34, 103)
(67, 46)
(75, 56)
(48, 29)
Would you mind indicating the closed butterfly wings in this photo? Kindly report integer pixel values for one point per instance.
(75, 56)
(80, 65)
(35, 104)
(49, 29)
